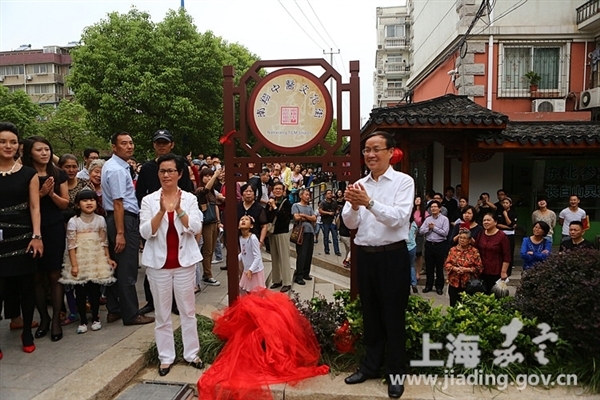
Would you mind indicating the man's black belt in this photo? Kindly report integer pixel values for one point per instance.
(131, 214)
(434, 243)
(381, 249)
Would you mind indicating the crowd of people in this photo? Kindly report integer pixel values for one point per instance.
(478, 242)
(71, 236)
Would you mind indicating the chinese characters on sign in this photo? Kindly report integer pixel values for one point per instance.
(564, 181)
(464, 350)
(291, 110)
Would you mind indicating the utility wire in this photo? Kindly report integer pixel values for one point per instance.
(300, 26)
(504, 14)
(308, 19)
(322, 26)
(433, 30)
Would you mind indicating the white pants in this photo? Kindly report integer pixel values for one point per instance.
(163, 282)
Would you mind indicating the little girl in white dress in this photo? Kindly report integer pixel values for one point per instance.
(87, 263)
(250, 257)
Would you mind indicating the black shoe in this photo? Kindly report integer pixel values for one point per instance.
(56, 337)
(357, 377)
(415, 289)
(197, 363)
(327, 252)
(223, 268)
(299, 281)
(427, 290)
(307, 278)
(285, 289)
(275, 285)
(440, 292)
(42, 330)
(395, 391)
(148, 308)
(164, 371)
(338, 254)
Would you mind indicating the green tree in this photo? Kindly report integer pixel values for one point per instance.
(67, 128)
(132, 74)
(17, 107)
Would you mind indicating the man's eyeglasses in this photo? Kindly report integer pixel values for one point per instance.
(376, 150)
(167, 171)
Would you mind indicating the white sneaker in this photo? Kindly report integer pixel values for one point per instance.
(82, 328)
(96, 326)
(211, 282)
(216, 261)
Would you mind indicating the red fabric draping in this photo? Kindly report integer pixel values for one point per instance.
(268, 341)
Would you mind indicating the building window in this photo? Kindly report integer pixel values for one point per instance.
(394, 83)
(396, 31)
(12, 70)
(40, 89)
(39, 69)
(59, 89)
(12, 89)
(549, 61)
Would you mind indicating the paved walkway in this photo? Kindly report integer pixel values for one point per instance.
(98, 365)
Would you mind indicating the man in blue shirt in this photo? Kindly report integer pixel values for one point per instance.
(122, 220)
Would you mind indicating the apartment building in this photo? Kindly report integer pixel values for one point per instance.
(392, 59)
(39, 72)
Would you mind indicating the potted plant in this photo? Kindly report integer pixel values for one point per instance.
(534, 80)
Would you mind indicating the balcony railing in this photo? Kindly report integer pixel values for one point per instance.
(397, 69)
(396, 43)
(394, 93)
(588, 10)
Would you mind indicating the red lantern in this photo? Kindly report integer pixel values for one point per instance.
(396, 156)
(343, 339)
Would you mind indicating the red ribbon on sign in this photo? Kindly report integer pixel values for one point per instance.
(226, 139)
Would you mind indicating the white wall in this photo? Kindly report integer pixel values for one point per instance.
(438, 168)
(486, 177)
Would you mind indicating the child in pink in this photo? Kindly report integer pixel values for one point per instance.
(250, 257)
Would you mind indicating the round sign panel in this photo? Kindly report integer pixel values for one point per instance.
(290, 110)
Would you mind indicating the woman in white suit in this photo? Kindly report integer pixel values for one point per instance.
(169, 221)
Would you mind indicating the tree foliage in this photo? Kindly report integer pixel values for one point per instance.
(136, 75)
(17, 107)
(67, 128)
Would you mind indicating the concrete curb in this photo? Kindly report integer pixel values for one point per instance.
(104, 376)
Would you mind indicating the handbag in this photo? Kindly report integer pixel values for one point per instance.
(297, 235)
(271, 225)
(210, 214)
(475, 285)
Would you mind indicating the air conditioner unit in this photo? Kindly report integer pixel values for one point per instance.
(379, 46)
(548, 105)
(589, 98)
(29, 77)
(378, 96)
(380, 72)
(1, 78)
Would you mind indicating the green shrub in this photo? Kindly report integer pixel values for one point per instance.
(564, 291)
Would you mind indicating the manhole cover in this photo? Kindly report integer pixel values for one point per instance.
(151, 390)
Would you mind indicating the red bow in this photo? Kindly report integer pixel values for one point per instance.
(226, 139)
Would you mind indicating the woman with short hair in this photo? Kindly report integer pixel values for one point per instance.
(169, 220)
(462, 264)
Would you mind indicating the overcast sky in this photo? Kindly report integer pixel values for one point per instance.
(263, 26)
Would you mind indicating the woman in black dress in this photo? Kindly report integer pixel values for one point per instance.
(20, 227)
(54, 197)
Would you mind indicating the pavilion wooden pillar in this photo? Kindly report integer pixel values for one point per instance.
(404, 144)
(465, 168)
